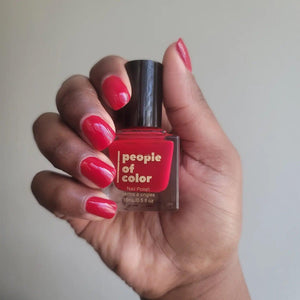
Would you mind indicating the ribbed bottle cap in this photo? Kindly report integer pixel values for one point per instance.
(145, 105)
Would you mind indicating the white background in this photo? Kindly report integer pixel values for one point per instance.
(246, 58)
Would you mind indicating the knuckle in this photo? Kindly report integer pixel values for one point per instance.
(111, 60)
(36, 126)
(72, 81)
(38, 123)
(38, 187)
(57, 197)
(36, 181)
(74, 78)
(71, 87)
(51, 191)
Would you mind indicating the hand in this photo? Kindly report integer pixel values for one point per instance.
(187, 254)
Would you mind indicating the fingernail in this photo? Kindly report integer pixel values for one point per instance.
(101, 207)
(184, 54)
(115, 92)
(97, 171)
(98, 132)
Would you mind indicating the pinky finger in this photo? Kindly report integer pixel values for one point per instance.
(64, 196)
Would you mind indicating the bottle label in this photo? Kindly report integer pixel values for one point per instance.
(142, 165)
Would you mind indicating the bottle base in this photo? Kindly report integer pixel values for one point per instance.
(167, 200)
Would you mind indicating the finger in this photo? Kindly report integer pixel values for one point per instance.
(201, 136)
(80, 108)
(67, 152)
(65, 197)
(111, 81)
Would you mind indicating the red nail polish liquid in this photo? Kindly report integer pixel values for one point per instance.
(145, 156)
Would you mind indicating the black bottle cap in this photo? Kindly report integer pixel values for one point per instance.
(145, 105)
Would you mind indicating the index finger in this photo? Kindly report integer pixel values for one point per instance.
(110, 79)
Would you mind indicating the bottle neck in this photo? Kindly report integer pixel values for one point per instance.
(145, 129)
(141, 132)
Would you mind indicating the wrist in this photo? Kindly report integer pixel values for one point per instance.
(227, 284)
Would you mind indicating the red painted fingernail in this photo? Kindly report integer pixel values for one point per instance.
(101, 207)
(98, 132)
(115, 92)
(97, 171)
(184, 54)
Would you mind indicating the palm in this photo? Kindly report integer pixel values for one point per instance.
(148, 248)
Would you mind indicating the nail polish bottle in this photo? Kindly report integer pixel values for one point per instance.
(146, 157)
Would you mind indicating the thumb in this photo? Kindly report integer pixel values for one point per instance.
(201, 136)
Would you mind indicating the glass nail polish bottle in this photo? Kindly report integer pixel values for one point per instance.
(146, 157)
